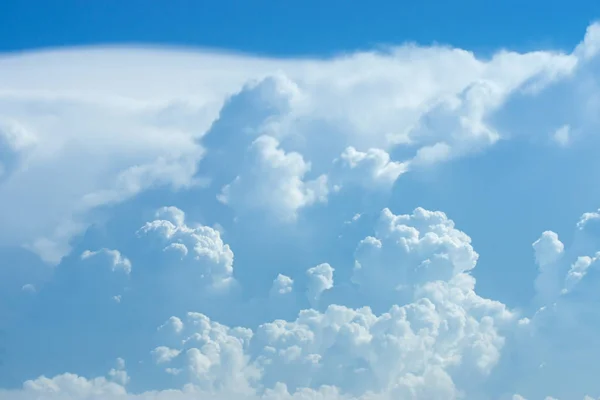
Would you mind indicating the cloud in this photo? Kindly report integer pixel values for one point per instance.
(163, 354)
(562, 136)
(578, 271)
(409, 250)
(320, 278)
(548, 248)
(269, 158)
(588, 219)
(370, 169)
(15, 142)
(116, 259)
(344, 348)
(431, 346)
(282, 285)
(563, 318)
(173, 323)
(110, 140)
(273, 182)
(210, 256)
(141, 155)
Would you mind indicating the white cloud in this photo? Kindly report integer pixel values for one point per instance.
(590, 46)
(103, 153)
(193, 122)
(282, 285)
(444, 342)
(210, 257)
(428, 155)
(410, 350)
(578, 270)
(67, 386)
(171, 214)
(117, 261)
(560, 332)
(111, 133)
(562, 136)
(320, 279)
(15, 142)
(118, 374)
(163, 354)
(173, 323)
(354, 218)
(370, 169)
(214, 355)
(548, 250)
(587, 219)
(444, 333)
(273, 181)
(409, 250)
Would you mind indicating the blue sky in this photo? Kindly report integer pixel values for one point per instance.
(275, 201)
(290, 28)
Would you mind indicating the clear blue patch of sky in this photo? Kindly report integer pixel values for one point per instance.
(296, 27)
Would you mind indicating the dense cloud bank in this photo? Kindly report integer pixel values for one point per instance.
(221, 227)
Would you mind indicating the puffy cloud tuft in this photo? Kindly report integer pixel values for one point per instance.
(409, 250)
(282, 285)
(210, 256)
(370, 169)
(118, 262)
(273, 182)
(320, 279)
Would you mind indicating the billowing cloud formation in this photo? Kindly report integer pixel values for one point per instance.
(282, 285)
(116, 259)
(208, 255)
(273, 181)
(320, 278)
(433, 100)
(138, 184)
(431, 346)
(410, 250)
(370, 168)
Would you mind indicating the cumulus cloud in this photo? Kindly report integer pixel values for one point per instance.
(173, 323)
(243, 144)
(341, 347)
(274, 181)
(588, 219)
(410, 250)
(429, 347)
(210, 256)
(163, 354)
(548, 249)
(565, 288)
(137, 155)
(578, 270)
(433, 100)
(15, 142)
(119, 374)
(117, 261)
(282, 285)
(369, 169)
(320, 279)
